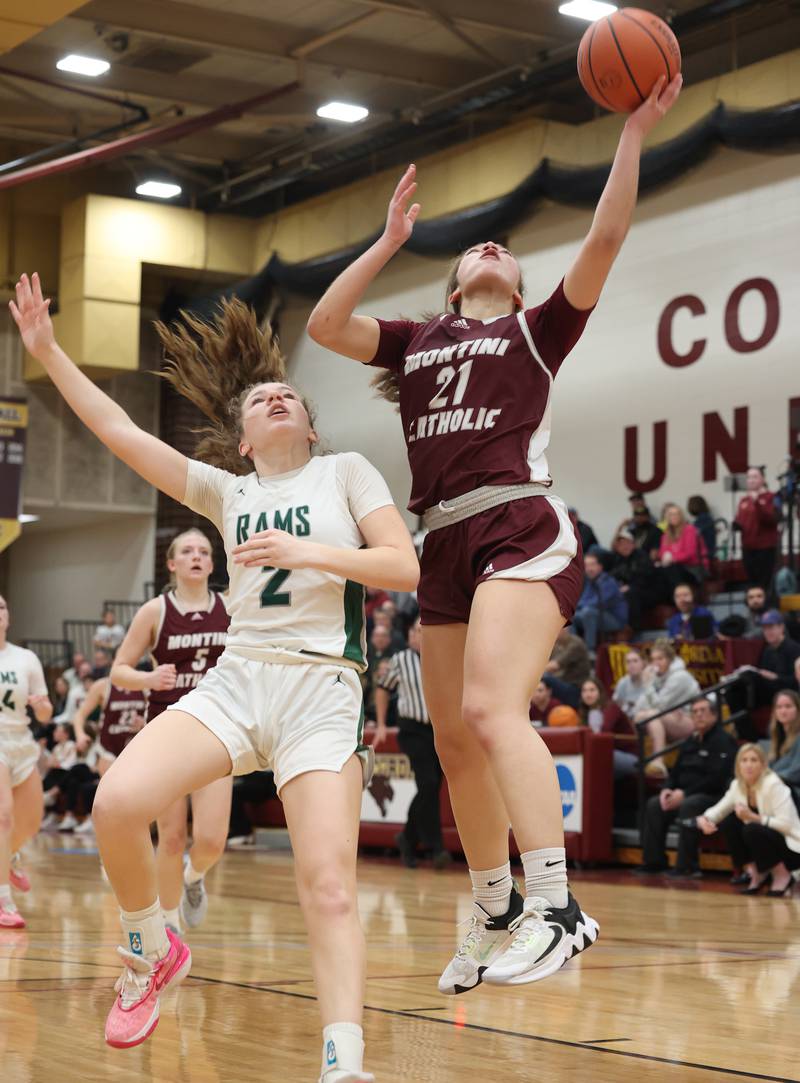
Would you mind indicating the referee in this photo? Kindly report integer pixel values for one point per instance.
(415, 737)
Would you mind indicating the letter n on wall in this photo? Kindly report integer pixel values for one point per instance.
(732, 448)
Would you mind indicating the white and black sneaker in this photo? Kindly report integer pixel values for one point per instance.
(194, 904)
(486, 939)
(545, 938)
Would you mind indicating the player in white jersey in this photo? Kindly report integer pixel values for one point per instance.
(22, 685)
(299, 531)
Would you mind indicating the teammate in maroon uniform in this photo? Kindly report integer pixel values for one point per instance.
(184, 631)
(122, 715)
(501, 563)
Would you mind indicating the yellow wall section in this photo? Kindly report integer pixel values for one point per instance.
(22, 20)
(106, 239)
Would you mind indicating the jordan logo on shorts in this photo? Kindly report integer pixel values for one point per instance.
(338, 679)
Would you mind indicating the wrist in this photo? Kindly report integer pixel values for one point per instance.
(387, 246)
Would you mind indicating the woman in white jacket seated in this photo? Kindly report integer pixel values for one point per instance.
(760, 823)
(672, 684)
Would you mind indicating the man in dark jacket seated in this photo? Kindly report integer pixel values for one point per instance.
(702, 771)
(639, 580)
(775, 671)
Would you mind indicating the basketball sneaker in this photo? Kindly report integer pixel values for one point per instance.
(335, 1075)
(134, 1015)
(17, 877)
(10, 917)
(194, 904)
(545, 938)
(486, 938)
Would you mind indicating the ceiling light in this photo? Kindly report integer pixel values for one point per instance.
(348, 114)
(591, 10)
(83, 65)
(24, 518)
(158, 189)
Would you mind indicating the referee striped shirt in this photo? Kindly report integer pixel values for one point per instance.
(404, 674)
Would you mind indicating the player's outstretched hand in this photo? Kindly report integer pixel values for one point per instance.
(661, 100)
(399, 220)
(32, 316)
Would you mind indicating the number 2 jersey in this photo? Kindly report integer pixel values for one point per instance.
(21, 676)
(475, 395)
(192, 641)
(302, 615)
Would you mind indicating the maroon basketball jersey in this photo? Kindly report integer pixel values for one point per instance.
(475, 395)
(192, 642)
(120, 711)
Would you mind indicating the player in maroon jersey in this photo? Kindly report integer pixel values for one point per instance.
(501, 563)
(184, 631)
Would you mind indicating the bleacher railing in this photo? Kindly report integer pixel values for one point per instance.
(80, 635)
(124, 611)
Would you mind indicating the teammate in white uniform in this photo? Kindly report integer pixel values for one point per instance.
(22, 685)
(286, 692)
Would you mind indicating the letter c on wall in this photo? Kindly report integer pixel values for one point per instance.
(669, 355)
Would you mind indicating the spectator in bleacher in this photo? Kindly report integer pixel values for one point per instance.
(698, 778)
(755, 599)
(682, 625)
(585, 532)
(757, 519)
(543, 703)
(60, 693)
(378, 647)
(630, 688)
(77, 692)
(110, 633)
(642, 525)
(601, 606)
(592, 705)
(569, 663)
(639, 580)
(682, 552)
(374, 598)
(703, 522)
(101, 663)
(407, 608)
(784, 729)
(672, 685)
(387, 615)
(759, 820)
(758, 685)
(72, 673)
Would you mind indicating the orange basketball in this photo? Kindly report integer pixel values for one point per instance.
(621, 56)
(563, 716)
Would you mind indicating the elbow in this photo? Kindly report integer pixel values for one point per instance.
(411, 576)
(318, 328)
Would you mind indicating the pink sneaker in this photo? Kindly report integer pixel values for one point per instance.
(134, 1016)
(11, 919)
(16, 877)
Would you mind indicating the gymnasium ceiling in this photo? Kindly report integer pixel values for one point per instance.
(431, 72)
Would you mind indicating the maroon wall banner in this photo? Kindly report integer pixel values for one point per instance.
(13, 423)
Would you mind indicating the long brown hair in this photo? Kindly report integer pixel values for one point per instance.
(783, 737)
(386, 383)
(602, 700)
(215, 366)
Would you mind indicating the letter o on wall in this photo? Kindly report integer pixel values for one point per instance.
(733, 333)
(669, 355)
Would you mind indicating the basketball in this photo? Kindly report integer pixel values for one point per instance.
(621, 56)
(563, 716)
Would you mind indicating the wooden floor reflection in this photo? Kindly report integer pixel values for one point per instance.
(685, 984)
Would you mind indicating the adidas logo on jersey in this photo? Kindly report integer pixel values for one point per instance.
(488, 570)
(197, 615)
(461, 324)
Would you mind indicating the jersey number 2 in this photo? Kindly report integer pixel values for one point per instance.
(271, 594)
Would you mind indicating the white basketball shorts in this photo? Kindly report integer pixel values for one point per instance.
(20, 753)
(288, 718)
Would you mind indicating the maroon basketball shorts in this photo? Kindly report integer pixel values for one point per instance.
(531, 539)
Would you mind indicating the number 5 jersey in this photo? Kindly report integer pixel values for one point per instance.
(303, 614)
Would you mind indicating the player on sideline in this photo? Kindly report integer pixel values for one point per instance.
(302, 534)
(22, 685)
(501, 568)
(184, 630)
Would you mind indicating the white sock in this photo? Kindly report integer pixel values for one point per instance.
(546, 875)
(173, 917)
(145, 932)
(190, 873)
(342, 1048)
(6, 902)
(492, 889)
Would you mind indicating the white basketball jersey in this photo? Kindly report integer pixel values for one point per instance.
(304, 614)
(20, 676)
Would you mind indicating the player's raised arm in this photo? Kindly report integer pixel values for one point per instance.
(150, 457)
(586, 277)
(332, 323)
(94, 699)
